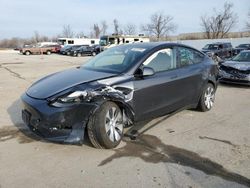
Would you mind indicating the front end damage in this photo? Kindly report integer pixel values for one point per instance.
(62, 122)
(233, 75)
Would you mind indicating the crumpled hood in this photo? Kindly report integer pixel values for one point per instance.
(58, 82)
(244, 66)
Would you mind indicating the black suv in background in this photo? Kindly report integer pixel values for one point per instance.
(241, 47)
(219, 49)
(85, 50)
(67, 49)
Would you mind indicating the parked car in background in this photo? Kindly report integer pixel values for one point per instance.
(241, 47)
(98, 48)
(85, 50)
(29, 49)
(236, 70)
(54, 48)
(67, 49)
(117, 88)
(219, 50)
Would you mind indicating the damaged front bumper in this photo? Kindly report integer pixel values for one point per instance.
(234, 77)
(66, 125)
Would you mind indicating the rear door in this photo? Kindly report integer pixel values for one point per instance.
(190, 64)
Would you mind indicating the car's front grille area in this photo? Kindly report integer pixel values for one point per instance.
(235, 72)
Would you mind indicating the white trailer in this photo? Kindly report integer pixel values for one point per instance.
(40, 44)
(114, 40)
(77, 41)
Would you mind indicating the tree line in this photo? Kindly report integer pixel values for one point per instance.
(216, 25)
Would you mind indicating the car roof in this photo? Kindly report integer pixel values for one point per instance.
(151, 45)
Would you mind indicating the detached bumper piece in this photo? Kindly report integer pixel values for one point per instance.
(63, 125)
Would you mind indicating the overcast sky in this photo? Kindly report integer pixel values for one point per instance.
(22, 17)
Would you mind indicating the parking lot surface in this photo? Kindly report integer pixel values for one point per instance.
(188, 149)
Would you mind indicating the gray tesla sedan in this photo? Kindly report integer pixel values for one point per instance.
(115, 89)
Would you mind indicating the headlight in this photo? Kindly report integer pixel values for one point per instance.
(72, 98)
(76, 96)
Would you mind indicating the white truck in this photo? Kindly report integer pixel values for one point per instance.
(78, 41)
(109, 41)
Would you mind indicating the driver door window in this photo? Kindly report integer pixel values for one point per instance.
(161, 60)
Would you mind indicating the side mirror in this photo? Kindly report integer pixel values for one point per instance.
(147, 71)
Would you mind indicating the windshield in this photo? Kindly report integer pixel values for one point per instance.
(82, 47)
(211, 47)
(116, 59)
(104, 41)
(61, 42)
(242, 56)
(65, 47)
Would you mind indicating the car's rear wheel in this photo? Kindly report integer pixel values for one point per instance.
(78, 55)
(105, 128)
(207, 98)
(48, 52)
(93, 53)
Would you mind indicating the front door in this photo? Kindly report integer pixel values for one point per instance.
(160, 93)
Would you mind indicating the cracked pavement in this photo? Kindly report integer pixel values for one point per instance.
(188, 149)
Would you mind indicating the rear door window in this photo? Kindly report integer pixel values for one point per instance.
(187, 56)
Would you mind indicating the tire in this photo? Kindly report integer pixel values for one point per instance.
(48, 52)
(207, 98)
(27, 53)
(93, 53)
(78, 54)
(68, 53)
(105, 127)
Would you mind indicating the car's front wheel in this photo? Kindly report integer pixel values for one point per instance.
(27, 53)
(105, 128)
(207, 98)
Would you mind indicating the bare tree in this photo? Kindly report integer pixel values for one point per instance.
(220, 23)
(160, 25)
(67, 31)
(96, 31)
(80, 35)
(36, 37)
(104, 27)
(248, 22)
(130, 29)
(116, 26)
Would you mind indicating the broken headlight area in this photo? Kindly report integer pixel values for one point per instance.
(75, 97)
(89, 95)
